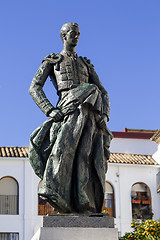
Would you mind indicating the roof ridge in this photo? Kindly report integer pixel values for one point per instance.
(156, 137)
(132, 154)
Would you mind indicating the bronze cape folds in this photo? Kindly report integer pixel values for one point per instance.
(70, 156)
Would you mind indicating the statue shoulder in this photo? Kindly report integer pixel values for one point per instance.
(87, 62)
(53, 58)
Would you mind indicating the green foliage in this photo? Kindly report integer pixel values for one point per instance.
(148, 230)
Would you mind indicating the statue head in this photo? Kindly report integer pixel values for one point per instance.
(73, 30)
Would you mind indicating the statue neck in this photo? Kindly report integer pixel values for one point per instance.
(68, 48)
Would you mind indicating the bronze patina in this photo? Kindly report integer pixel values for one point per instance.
(69, 151)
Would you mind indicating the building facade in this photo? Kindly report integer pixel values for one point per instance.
(18, 195)
(131, 185)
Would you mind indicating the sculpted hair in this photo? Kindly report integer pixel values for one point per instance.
(66, 27)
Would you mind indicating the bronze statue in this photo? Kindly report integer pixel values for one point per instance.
(69, 151)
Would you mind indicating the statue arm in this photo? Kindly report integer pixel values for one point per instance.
(105, 98)
(36, 88)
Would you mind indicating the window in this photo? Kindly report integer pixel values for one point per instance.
(44, 207)
(9, 236)
(158, 182)
(108, 204)
(8, 196)
(141, 201)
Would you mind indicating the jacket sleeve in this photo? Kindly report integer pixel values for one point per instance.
(36, 88)
(105, 98)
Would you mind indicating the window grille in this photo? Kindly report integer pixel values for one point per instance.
(9, 236)
(8, 204)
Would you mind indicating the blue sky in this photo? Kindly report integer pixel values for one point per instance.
(122, 39)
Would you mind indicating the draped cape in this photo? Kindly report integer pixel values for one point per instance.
(70, 156)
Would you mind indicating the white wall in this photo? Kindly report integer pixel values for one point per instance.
(27, 219)
(133, 146)
(156, 155)
(122, 177)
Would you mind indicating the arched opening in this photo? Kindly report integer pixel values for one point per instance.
(44, 207)
(108, 204)
(9, 196)
(141, 201)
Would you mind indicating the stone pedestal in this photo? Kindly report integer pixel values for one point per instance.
(77, 227)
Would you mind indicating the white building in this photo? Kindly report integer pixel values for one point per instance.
(131, 185)
(133, 169)
(18, 195)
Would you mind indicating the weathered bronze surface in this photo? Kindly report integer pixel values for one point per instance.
(69, 151)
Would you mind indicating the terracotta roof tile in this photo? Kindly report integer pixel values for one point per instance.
(14, 152)
(132, 159)
(156, 137)
(125, 158)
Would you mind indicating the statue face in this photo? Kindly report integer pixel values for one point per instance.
(72, 36)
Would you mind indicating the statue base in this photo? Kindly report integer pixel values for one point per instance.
(77, 227)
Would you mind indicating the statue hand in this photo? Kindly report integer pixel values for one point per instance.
(103, 121)
(57, 115)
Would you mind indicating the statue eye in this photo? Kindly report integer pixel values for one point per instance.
(72, 34)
